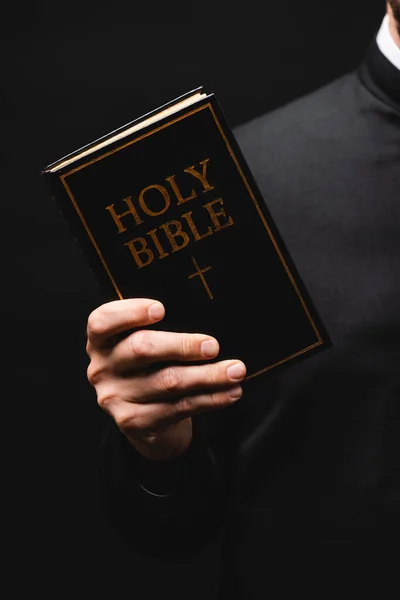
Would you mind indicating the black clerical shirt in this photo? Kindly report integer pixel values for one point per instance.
(302, 475)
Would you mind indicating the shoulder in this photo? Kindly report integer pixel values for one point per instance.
(310, 119)
(300, 154)
(297, 149)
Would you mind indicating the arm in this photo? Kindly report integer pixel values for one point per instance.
(166, 508)
(163, 488)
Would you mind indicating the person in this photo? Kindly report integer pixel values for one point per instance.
(297, 471)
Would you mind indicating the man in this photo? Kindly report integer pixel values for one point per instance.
(299, 472)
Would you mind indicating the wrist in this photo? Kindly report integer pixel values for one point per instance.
(168, 445)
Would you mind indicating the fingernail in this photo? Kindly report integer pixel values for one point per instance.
(156, 311)
(209, 348)
(235, 393)
(236, 371)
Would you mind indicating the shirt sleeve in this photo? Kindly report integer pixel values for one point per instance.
(163, 509)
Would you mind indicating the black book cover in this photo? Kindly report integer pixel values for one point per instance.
(172, 212)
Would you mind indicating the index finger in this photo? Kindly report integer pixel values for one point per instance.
(118, 316)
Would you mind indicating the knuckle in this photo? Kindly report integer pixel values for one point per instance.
(186, 346)
(105, 401)
(219, 400)
(94, 373)
(170, 379)
(89, 348)
(123, 420)
(215, 400)
(212, 401)
(109, 396)
(127, 418)
(140, 343)
(96, 324)
(184, 405)
(213, 374)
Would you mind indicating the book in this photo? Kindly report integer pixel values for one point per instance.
(166, 207)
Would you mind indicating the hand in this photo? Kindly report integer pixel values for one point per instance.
(142, 381)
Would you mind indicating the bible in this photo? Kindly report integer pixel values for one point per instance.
(166, 207)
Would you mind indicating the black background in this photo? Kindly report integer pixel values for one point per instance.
(70, 73)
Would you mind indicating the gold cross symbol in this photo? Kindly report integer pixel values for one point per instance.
(200, 273)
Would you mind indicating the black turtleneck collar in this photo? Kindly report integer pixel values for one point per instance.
(380, 76)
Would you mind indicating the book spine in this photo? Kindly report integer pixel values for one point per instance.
(66, 211)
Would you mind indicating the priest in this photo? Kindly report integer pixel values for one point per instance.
(297, 472)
